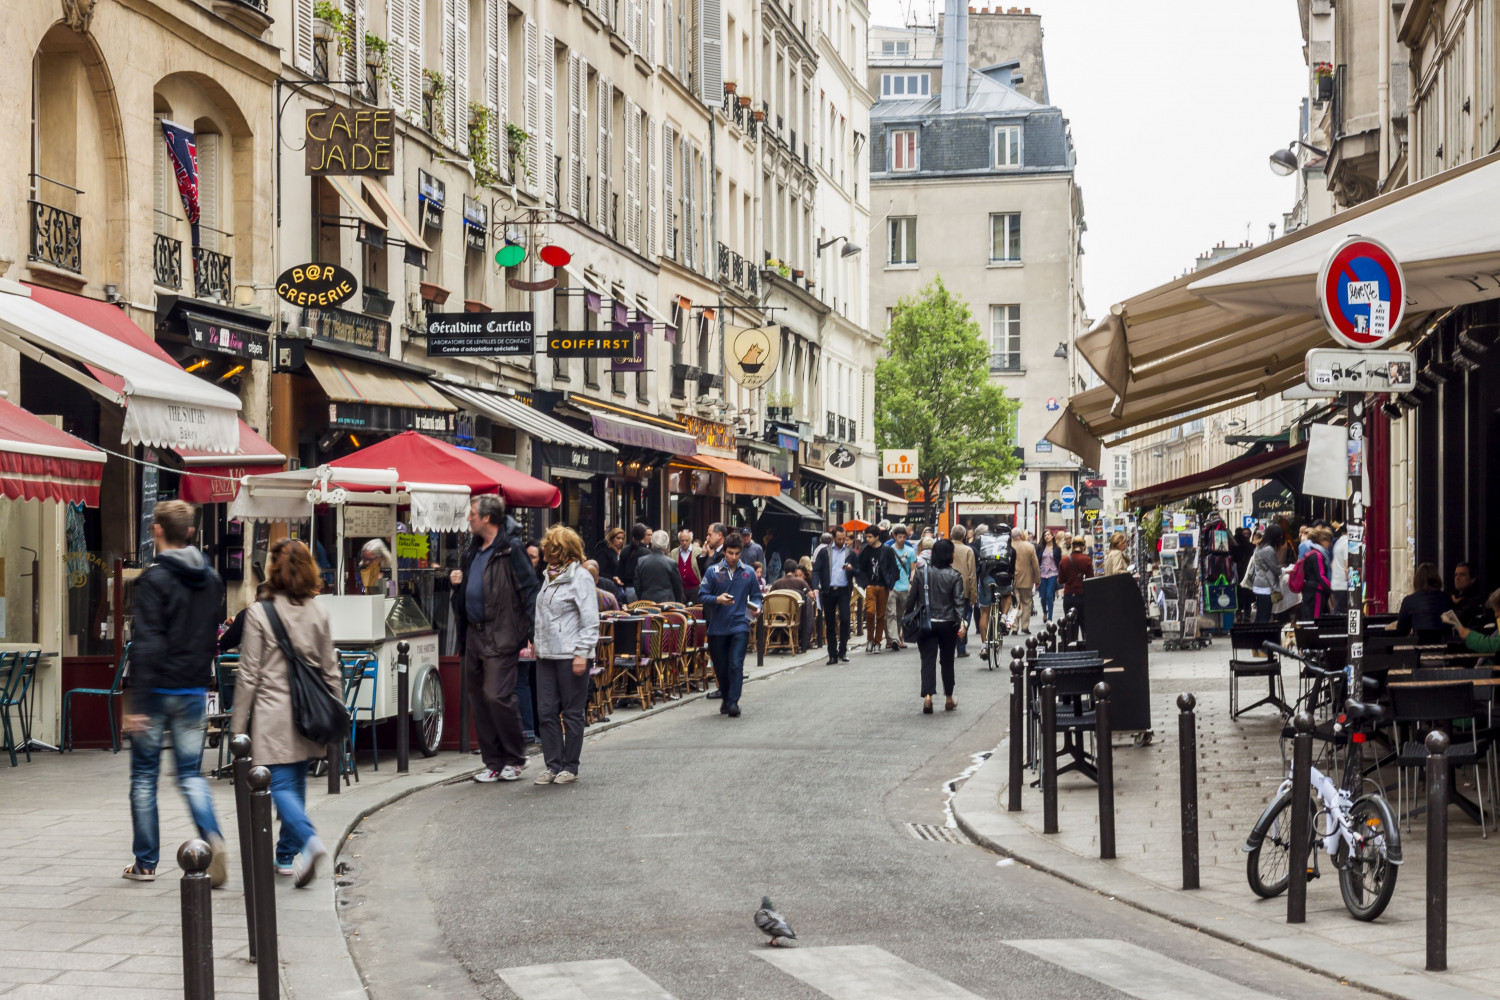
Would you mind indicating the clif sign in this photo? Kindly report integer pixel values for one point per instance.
(350, 141)
(589, 344)
(899, 464)
(316, 285)
(480, 334)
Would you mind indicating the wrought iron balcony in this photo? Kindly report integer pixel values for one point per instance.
(736, 272)
(56, 237)
(1007, 362)
(211, 274)
(166, 261)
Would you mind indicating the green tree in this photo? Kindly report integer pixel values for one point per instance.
(933, 393)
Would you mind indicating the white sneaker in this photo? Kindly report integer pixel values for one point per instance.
(487, 776)
(510, 772)
(565, 778)
(305, 865)
(545, 778)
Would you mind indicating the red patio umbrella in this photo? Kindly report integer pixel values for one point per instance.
(855, 524)
(418, 458)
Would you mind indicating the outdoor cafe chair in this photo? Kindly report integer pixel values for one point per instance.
(676, 649)
(782, 614)
(1422, 707)
(632, 675)
(10, 688)
(109, 694)
(353, 669)
(226, 671)
(1248, 659)
(597, 707)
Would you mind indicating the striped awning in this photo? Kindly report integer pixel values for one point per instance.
(42, 462)
(513, 413)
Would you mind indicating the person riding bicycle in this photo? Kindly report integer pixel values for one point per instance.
(997, 573)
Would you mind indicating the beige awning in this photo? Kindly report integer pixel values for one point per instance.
(393, 215)
(349, 195)
(345, 380)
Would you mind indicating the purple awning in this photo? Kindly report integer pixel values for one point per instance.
(640, 435)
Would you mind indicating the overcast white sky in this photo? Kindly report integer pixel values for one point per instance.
(1175, 106)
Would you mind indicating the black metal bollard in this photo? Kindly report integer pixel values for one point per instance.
(1017, 668)
(1051, 644)
(1439, 773)
(760, 640)
(1048, 750)
(267, 968)
(403, 707)
(1104, 759)
(335, 761)
(463, 710)
(1188, 740)
(239, 748)
(1028, 695)
(197, 921)
(1301, 819)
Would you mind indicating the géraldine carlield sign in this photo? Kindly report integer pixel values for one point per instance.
(350, 141)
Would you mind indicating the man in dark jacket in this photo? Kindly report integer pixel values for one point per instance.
(172, 650)
(877, 571)
(833, 569)
(656, 576)
(494, 601)
(713, 548)
(634, 550)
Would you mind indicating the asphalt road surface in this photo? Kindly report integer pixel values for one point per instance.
(640, 880)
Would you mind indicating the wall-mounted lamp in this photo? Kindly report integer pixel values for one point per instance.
(1062, 350)
(849, 249)
(1284, 161)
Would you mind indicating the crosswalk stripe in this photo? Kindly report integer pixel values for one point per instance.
(1135, 970)
(861, 972)
(606, 979)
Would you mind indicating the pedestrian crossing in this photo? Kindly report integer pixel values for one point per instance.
(866, 972)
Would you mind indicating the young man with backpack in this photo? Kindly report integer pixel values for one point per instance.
(1310, 577)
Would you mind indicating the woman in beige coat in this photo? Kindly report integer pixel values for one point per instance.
(263, 699)
(1115, 560)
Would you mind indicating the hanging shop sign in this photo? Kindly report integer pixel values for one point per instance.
(476, 223)
(242, 342)
(751, 354)
(841, 458)
(349, 141)
(1333, 369)
(432, 195)
(635, 361)
(1272, 499)
(589, 344)
(709, 432)
(480, 334)
(368, 333)
(309, 285)
(899, 464)
(561, 458)
(373, 417)
(374, 521)
(1362, 293)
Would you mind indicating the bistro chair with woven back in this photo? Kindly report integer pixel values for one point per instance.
(633, 675)
(782, 614)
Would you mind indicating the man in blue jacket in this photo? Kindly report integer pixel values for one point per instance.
(730, 593)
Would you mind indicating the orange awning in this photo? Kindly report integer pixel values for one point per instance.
(740, 478)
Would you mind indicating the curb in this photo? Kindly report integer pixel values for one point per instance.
(976, 809)
(315, 960)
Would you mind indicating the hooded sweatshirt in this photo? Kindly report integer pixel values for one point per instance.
(175, 627)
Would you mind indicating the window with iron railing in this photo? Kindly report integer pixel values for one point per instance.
(1005, 338)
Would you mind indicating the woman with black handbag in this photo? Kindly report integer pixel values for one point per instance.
(936, 609)
(287, 644)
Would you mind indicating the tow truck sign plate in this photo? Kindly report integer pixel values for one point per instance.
(1332, 369)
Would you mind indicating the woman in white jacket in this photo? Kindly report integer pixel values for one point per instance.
(567, 633)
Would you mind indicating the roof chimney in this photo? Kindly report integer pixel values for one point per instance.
(955, 94)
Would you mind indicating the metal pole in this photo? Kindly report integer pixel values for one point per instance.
(1028, 691)
(1188, 758)
(239, 748)
(1048, 750)
(1301, 831)
(197, 921)
(760, 641)
(1355, 531)
(463, 706)
(1017, 669)
(403, 707)
(1438, 775)
(1104, 758)
(267, 968)
(335, 766)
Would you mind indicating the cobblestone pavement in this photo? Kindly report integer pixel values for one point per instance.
(1239, 769)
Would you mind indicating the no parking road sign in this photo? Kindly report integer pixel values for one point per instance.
(1362, 293)
(1067, 494)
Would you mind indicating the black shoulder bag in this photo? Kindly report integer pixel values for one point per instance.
(316, 713)
(917, 622)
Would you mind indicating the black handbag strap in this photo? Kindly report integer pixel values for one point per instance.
(282, 639)
(927, 591)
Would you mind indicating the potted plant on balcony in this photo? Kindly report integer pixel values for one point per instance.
(784, 270)
(744, 102)
(730, 86)
(516, 139)
(1323, 80)
(797, 272)
(331, 24)
(375, 53)
(760, 115)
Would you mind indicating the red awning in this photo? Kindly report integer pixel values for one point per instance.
(739, 477)
(208, 478)
(1241, 470)
(41, 462)
(418, 458)
(107, 319)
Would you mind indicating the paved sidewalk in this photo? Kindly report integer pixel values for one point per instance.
(75, 930)
(1239, 770)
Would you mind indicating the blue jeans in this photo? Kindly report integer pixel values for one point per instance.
(523, 697)
(728, 653)
(183, 715)
(289, 792)
(1047, 590)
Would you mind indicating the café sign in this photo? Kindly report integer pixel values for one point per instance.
(344, 141)
(310, 285)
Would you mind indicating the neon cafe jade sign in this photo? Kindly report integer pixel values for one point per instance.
(349, 141)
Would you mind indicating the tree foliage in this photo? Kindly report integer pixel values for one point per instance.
(933, 393)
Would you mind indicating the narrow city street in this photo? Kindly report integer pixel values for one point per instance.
(828, 795)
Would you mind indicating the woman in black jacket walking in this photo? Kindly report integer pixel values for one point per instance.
(937, 590)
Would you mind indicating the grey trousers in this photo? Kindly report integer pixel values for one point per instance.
(561, 697)
(895, 609)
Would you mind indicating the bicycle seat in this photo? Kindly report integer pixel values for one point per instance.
(1364, 710)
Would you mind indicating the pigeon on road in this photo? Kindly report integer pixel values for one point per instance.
(772, 923)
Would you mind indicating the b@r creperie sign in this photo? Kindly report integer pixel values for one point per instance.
(350, 141)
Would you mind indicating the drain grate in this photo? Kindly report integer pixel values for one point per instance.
(931, 831)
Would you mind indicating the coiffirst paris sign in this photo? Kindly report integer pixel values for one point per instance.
(899, 464)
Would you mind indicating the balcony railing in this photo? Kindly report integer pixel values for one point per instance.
(737, 272)
(56, 237)
(1005, 362)
(211, 274)
(166, 261)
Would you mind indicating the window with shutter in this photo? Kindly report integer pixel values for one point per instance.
(637, 25)
(395, 57)
(496, 77)
(575, 136)
(669, 232)
(605, 8)
(533, 107)
(667, 35)
(688, 245)
(161, 210)
(209, 219)
(710, 51)
(649, 131)
(354, 54)
(414, 59)
(651, 32)
(548, 182)
(632, 166)
(584, 138)
(302, 35)
(606, 106)
(458, 83)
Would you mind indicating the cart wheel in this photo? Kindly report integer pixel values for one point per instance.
(428, 714)
(1143, 739)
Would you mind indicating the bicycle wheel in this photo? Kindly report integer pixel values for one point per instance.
(1367, 878)
(1266, 867)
